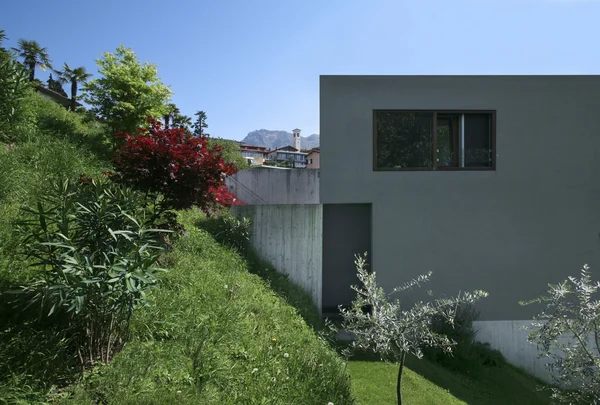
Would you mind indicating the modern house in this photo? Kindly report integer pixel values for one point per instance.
(490, 182)
(255, 155)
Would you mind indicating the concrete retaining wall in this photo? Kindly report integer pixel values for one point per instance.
(275, 186)
(291, 238)
(510, 338)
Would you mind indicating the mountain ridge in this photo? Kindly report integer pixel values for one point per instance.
(274, 139)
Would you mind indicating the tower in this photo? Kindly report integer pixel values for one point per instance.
(296, 139)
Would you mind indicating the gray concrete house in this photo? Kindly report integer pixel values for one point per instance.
(491, 182)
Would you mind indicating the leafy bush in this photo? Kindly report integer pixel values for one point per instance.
(171, 163)
(96, 250)
(230, 231)
(14, 88)
(567, 332)
(468, 356)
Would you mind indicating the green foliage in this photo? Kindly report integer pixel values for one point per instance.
(231, 152)
(230, 231)
(469, 357)
(567, 333)
(200, 124)
(216, 334)
(96, 251)
(74, 77)
(127, 91)
(14, 88)
(33, 55)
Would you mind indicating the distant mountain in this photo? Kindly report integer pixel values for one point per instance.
(279, 139)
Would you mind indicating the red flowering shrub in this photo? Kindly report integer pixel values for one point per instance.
(172, 163)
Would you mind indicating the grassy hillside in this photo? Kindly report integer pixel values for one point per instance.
(214, 332)
(217, 334)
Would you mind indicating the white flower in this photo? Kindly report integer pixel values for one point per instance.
(254, 370)
(179, 392)
(226, 286)
(286, 355)
(329, 403)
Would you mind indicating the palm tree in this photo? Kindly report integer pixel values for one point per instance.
(182, 121)
(2, 38)
(75, 77)
(33, 55)
(171, 114)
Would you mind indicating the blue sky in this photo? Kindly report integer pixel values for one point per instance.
(254, 64)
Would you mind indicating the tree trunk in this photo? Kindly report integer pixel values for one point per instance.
(399, 384)
(31, 71)
(73, 95)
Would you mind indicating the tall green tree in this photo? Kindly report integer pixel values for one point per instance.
(200, 124)
(127, 91)
(74, 77)
(33, 55)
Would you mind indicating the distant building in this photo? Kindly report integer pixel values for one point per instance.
(288, 155)
(255, 155)
(313, 159)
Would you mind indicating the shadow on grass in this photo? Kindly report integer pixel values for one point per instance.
(471, 381)
(279, 282)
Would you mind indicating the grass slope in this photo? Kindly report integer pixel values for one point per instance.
(217, 334)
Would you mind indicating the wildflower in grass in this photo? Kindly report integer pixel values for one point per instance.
(273, 340)
(254, 370)
(286, 355)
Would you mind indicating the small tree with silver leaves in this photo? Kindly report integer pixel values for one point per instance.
(567, 333)
(379, 323)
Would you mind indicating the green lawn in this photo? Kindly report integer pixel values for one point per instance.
(426, 383)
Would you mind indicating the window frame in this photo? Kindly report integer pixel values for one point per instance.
(435, 168)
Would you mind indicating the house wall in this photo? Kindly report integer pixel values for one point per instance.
(533, 221)
(290, 238)
(273, 186)
(316, 160)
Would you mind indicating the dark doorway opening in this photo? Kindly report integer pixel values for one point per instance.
(346, 232)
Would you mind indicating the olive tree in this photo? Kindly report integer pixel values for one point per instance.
(567, 334)
(379, 323)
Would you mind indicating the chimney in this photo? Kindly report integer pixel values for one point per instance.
(296, 139)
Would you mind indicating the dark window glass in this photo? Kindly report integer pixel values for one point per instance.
(448, 134)
(404, 139)
(478, 140)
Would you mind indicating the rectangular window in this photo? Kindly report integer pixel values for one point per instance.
(434, 140)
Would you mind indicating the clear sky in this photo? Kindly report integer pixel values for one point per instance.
(253, 64)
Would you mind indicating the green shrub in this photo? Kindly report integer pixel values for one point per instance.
(95, 250)
(230, 231)
(14, 87)
(469, 356)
